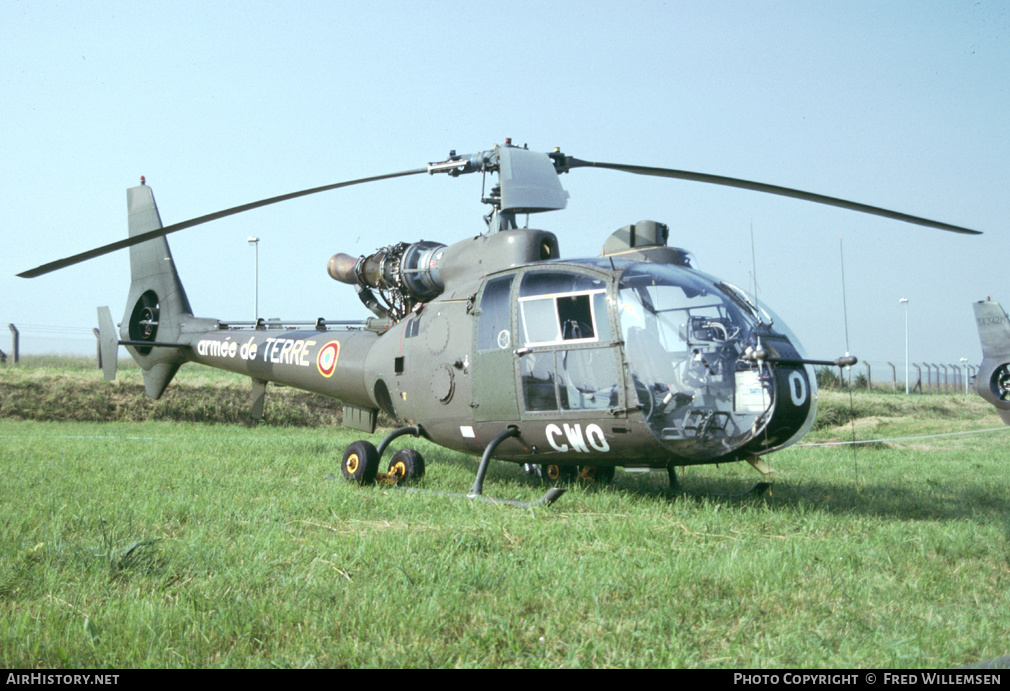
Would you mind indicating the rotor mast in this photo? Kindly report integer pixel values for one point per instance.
(527, 181)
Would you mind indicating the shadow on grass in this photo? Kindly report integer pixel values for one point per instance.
(921, 498)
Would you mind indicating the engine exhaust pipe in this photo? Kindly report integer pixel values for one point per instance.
(341, 268)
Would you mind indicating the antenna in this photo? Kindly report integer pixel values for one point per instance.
(754, 274)
(845, 308)
(757, 308)
(845, 316)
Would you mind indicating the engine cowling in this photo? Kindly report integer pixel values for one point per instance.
(404, 274)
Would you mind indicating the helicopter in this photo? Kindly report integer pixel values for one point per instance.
(993, 379)
(497, 347)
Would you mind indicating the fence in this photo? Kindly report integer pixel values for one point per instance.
(66, 338)
(923, 376)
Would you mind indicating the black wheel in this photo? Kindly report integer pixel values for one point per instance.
(558, 473)
(600, 474)
(406, 464)
(361, 463)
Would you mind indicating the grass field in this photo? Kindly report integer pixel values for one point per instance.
(190, 544)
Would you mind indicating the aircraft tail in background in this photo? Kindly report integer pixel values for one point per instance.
(993, 379)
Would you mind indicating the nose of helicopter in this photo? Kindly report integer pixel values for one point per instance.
(711, 375)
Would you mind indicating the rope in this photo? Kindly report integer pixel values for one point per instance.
(892, 439)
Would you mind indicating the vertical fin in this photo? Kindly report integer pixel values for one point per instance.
(993, 379)
(993, 329)
(157, 303)
(259, 392)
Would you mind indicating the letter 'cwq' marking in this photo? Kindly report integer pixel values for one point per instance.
(573, 435)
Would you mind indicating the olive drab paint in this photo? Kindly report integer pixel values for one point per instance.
(494, 345)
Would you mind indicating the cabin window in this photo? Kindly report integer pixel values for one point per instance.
(587, 378)
(538, 377)
(493, 328)
(565, 308)
(576, 379)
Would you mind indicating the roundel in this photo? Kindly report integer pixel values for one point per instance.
(326, 360)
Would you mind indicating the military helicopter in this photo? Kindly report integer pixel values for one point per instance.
(497, 347)
(993, 379)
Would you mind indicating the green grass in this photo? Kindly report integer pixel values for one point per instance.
(183, 544)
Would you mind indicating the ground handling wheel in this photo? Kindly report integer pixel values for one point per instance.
(562, 474)
(406, 464)
(599, 474)
(361, 463)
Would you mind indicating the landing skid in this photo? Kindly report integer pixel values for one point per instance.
(547, 499)
(476, 492)
(675, 488)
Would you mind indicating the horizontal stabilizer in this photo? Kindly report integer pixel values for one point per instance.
(108, 346)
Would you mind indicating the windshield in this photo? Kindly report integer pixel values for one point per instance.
(684, 336)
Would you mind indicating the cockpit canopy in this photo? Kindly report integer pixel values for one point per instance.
(682, 335)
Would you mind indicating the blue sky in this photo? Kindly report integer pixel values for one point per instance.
(898, 104)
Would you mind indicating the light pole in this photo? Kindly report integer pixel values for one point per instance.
(904, 301)
(255, 242)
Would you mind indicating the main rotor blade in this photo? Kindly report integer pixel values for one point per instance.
(160, 232)
(772, 189)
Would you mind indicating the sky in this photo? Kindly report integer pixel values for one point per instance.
(896, 104)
